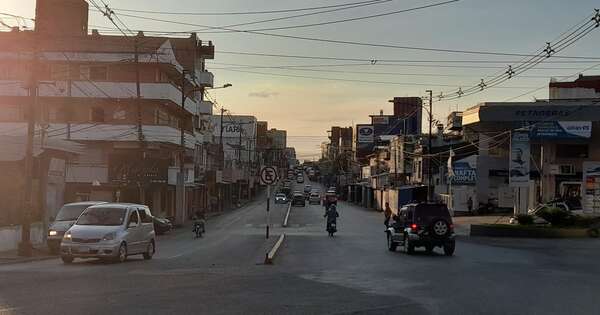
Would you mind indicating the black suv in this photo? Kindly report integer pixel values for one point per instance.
(422, 225)
(298, 199)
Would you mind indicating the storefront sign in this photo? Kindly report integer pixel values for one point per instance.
(519, 159)
(365, 133)
(561, 130)
(380, 120)
(591, 187)
(464, 174)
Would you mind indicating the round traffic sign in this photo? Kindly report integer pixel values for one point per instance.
(268, 175)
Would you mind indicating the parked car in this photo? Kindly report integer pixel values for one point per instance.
(162, 225)
(307, 190)
(110, 231)
(300, 179)
(422, 225)
(315, 198)
(280, 198)
(298, 199)
(66, 217)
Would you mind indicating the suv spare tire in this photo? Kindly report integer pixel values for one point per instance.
(440, 228)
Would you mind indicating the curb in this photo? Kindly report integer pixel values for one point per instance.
(14, 261)
(287, 215)
(526, 232)
(271, 254)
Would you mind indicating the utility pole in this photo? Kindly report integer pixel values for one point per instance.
(222, 161)
(25, 248)
(429, 175)
(138, 103)
(180, 207)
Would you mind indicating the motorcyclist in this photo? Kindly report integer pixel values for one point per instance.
(199, 221)
(331, 214)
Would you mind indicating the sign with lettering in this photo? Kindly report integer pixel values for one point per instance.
(561, 130)
(365, 133)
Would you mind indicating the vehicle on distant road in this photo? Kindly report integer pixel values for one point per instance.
(307, 190)
(110, 231)
(162, 225)
(300, 179)
(298, 199)
(422, 225)
(281, 198)
(315, 198)
(66, 217)
(329, 199)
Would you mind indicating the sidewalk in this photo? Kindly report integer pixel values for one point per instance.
(462, 224)
(11, 257)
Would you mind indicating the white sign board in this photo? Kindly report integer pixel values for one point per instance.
(365, 134)
(519, 159)
(268, 175)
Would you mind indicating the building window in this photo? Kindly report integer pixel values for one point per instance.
(161, 117)
(572, 151)
(59, 71)
(97, 114)
(94, 73)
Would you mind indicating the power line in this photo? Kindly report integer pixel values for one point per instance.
(353, 43)
(335, 21)
(246, 12)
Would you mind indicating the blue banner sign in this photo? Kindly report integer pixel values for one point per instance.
(561, 130)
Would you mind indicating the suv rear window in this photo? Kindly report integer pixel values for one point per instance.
(432, 210)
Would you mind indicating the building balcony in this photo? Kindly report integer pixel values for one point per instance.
(87, 89)
(205, 108)
(108, 132)
(205, 78)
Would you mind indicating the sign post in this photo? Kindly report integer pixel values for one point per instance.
(268, 176)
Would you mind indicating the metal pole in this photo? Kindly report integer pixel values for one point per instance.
(181, 178)
(25, 247)
(221, 161)
(268, 206)
(429, 171)
(138, 102)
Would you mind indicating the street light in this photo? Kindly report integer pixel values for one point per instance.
(429, 175)
(226, 85)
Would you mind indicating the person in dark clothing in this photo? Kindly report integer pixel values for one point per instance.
(331, 214)
(387, 212)
(470, 204)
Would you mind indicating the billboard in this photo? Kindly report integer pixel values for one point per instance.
(365, 133)
(380, 120)
(519, 159)
(463, 173)
(591, 187)
(561, 130)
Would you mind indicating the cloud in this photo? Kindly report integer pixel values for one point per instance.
(263, 94)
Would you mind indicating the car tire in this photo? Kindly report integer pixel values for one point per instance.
(449, 248)
(67, 259)
(409, 247)
(150, 250)
(440, 228)
(391, 244)
(121, 253)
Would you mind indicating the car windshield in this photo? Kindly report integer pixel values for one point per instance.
(433, 210)
(280, 196)
(70, 212)
(102, 216)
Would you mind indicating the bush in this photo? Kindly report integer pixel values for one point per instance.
(557, 217)
(525, 219)
(586, 222)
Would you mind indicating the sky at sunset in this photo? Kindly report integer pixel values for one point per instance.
(308, 101)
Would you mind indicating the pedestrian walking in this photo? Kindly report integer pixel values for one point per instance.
(470, 204)
(387, 212)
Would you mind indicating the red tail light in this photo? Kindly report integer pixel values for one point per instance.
(413, 226)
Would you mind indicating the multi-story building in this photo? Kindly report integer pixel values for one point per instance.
(134, 102)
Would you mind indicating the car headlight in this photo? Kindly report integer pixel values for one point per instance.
(68, 236)
(109, 237)
(52, 233)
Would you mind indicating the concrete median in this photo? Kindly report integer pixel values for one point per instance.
(287, 215)
(273, 252)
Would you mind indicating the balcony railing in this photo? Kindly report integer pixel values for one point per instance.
(87, 89)
(205, 78)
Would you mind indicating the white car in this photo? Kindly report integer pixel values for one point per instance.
(281, 198)
(110, 231)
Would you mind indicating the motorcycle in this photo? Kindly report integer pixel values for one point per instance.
(198, 229)
(331, 228)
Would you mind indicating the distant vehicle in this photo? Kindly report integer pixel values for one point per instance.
(281, 198)
(110, 231)
(329, 199)
(300, 179)
(332, 188)
(422, 225)
(298, 199)
(162, 225)
(315, 198)
(66, 217)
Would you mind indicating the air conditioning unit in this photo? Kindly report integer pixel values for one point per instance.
(562, 169)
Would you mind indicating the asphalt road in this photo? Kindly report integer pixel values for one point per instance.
(352, 273)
